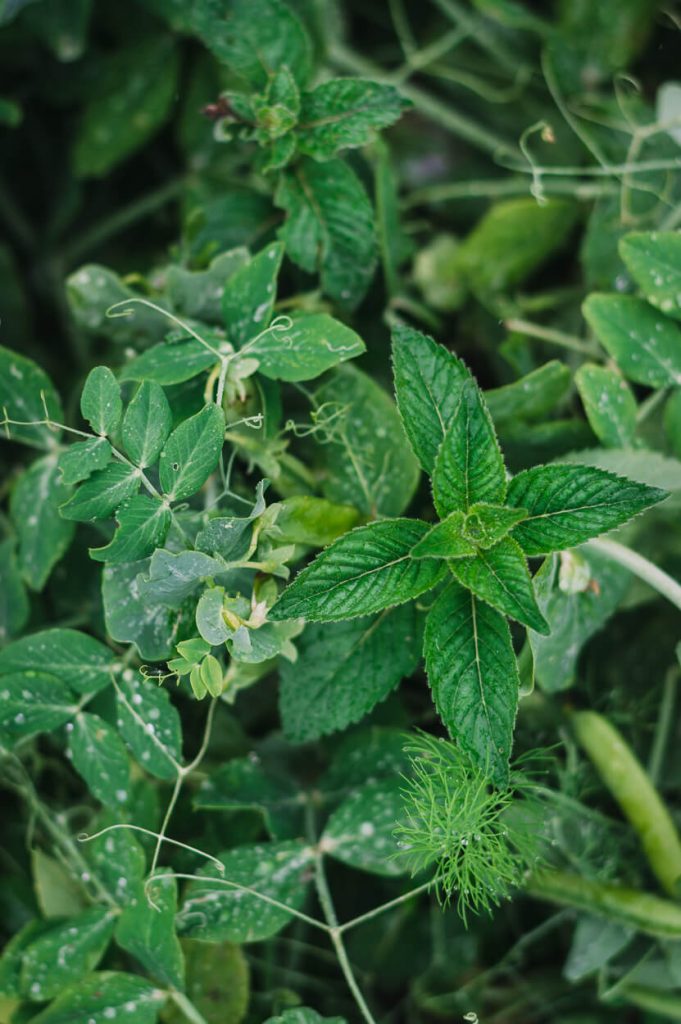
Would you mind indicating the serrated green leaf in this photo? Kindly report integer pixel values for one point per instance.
(143, 523)
(644, 344)
(364, 571)
(446, 539)
(243, 783)
(100, 758)
(306, 519)
(133, 999)
(530, 397)
(653, 258)
(43, 535)
(344, 669)
(33, 702)
(146, 424)
(360, 832)
(133, 95)
(469, 467)
(101, 403)
(215, 912)
(345, 112)
(329, 227)
(149, 724)
(23, 385)
(78, 660)
(366, 460)
(80, 460)
(312, 344)
(567, 505)
(609, 404)
(147, 931)
(14, 606)
(487, 524)
(64, 953)
(499, 576)
(102, 494)
(574, 614)
(130, 618)
(173, 577)
(428, 382)
(170, 362)
(249, 295)
(473, 676)
(191, 453)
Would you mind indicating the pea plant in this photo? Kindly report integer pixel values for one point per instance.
(340, 399)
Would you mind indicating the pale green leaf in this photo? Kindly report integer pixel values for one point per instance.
(198, 293)
(249, 295)
(469, 467)
(653, 259)
(143, 523)
(78, 660)
(57, 893)
(532, 396)
(217, 983)
(473, 676)
(306, 519)
(314, 343)
(101, 403)
(344, 669)
(100, 758)
(146, 930)
(345, 112)
(217, 912)
(80, 460)
(173, 577)
(428, 382)
(609, 404)
(360, 832)
(645, 345)
(102, 494)
(567, 505)
(92, 290)
(64, 953)
(209, 618)
(43, 535)
(648, 467)
(130, 618)
(146, 424)
(364, 571)
(14, 605)
(33, 702)
(149, 723)
(170, 362)
(191, 453)
(23, 386)
(134, 1000)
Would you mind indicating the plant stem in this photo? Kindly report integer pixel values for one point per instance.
(554, 337)
(383, 907)
(495, 187)
(641, 567)
(187, 1008)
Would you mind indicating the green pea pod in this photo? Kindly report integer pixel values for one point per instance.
(631, 787)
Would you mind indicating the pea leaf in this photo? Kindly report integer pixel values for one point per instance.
(345, 112)
(567, 505)
(80, 460)
(64, 953)
(93, 289)
(653, 259)
(57, 893)
(149, 724)
(215, 912)
(170, 362)
(473, 676)
(100, 758)
(102, 494)
(469, 466)
(198, 293)
(132, 998)
(43, 535)
(499, 576)
(310, 346)
(33, 702)
(130, 618)
(249, 295)
(173, 577)
(645, 345)
(329, 227)
(360, 831)
(191, 453)
(100, 402)
(143, 523)
(11, 957)
(78, 660)
(14, 605)
(146, 424)
(209, 618)
(344, 669)
(147, 931)
(530, 397)
(365, 459)
(23, 387)
(134, 92)
(228, 536)
(362, 572)
(118, 860)
(609, 404)
(243, 783)
(428, 382)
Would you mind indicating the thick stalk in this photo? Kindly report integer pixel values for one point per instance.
(641, 567)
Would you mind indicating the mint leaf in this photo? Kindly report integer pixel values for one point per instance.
(609, 404)
(473, 675)
(344, 669)
(469, 467)
(366, 570)
(83, 458)
(101, 403)
(43, 535)
(345, 112)
(147, 931)
(311, 345)
(446, 540)
(102, 494)
(191, 453)
(33, 702)
(23, 387)
(653, 259)
(499, 575)
(149, 724)
(360, 832)
(170, 362)
(100, 758)
(64, 953)
(487, 524)
(143, 523)
(644, 344)
(78, 660)
(428, 381)
(329, 227)
(93, 999)
(146, 424)
(249, 295)
(567, 505)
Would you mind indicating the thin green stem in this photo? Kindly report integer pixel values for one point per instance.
(656, 578)
(383, 907)
(493, 188)
(553, 337)
(665, 721)
(187, 1007)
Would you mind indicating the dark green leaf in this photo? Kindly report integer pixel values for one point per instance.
(243, 783)
(146, 930)
(64, 953)
(102, 494)
(653, 259)
(345, 112)
(170, 363)
(43, 535)
(150, 725)
(249, 295)
(361, 831)
(14, 606)
(133, 999)
(143, 523)
(198, 294)
(132, 619)
(173, 577)
(83, 458)
(99, 756)
(23, 386)
(100, 402)
(79, 660)
(146, 424)
(312, 344)
(532, 396)
(644, 344)
(609, 404)
(191, 453)
(34, 702)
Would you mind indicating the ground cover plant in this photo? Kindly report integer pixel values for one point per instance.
(340, 396)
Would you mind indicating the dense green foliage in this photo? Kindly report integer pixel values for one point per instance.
(333, 340)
